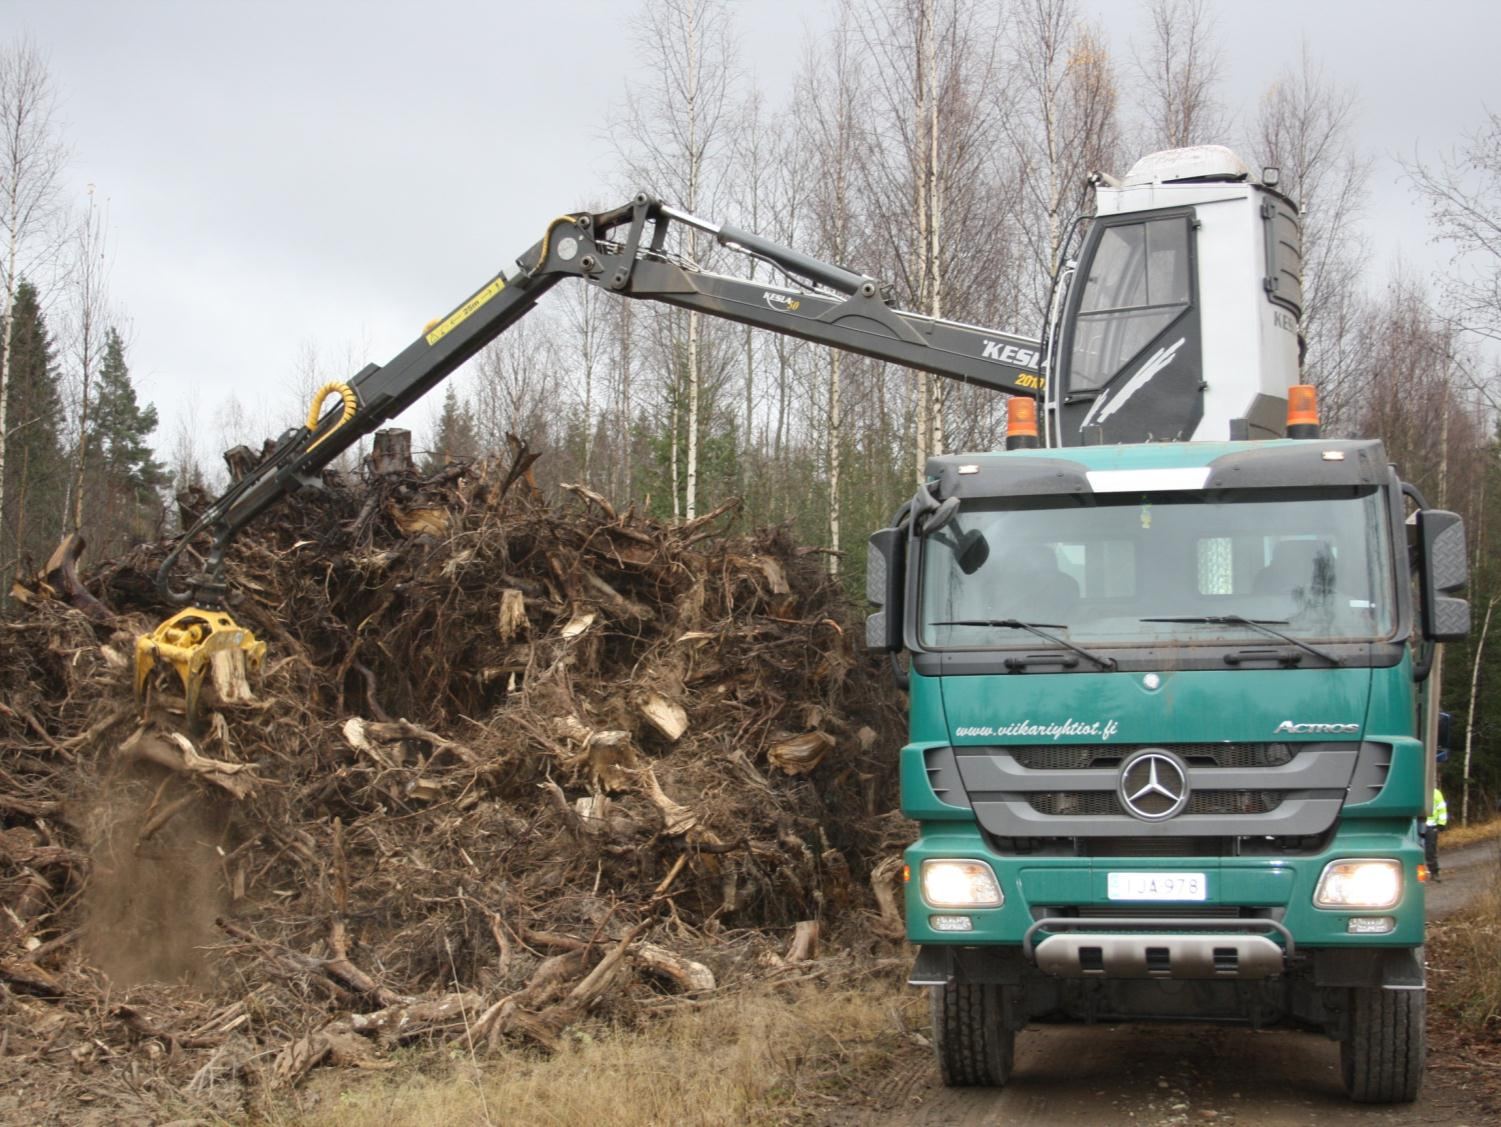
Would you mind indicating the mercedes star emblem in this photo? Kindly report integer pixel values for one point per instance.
(1154, 785)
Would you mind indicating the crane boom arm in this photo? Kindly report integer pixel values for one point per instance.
(624, 251)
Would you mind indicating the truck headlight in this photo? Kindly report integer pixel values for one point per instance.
(1360, 884)
(960, 884)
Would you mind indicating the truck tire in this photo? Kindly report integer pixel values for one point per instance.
(972, 1035)
(1382, 1054)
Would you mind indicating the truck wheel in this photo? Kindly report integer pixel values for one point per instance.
(1382, 1054)
(972, 1035)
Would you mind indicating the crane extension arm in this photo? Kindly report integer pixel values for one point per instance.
(623, 251)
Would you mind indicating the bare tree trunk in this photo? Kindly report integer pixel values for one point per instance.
(588, 344)
(923, 184)
(935, 222)
(693, 61)
(627, 422)
(677, 511)
(90, 278)
(31, 165)
(1464, 803)
(836, 436)
(691, 502)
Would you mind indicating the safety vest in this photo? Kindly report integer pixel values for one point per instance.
(1440, 815)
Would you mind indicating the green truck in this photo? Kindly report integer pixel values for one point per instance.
(1173, 703)
(1167, 757)
(1172, 663)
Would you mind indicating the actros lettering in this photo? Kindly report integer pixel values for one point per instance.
(1288, 727)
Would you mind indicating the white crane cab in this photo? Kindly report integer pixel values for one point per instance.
(1180, 318)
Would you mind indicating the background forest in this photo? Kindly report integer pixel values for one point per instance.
(942, 145)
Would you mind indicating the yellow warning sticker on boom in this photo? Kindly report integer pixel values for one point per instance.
(458, 316)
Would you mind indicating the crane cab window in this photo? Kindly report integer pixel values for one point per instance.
(1137, 284)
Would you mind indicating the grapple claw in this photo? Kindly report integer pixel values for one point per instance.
(189, 640)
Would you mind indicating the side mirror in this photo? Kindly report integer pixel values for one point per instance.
(1443, 568)
(885, 586)
(972, 551)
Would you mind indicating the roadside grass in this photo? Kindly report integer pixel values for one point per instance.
(1464, 971)
(1456, 835)
(766, 1055)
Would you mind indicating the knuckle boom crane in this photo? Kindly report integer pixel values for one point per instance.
(622, 250)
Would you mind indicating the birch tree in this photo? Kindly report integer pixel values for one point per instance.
(934, 132)
(1061, 123)
(1180, 66)
(831, 88)
(1305, 127)
(89, 290)
(32, 159)
(1462, 192)
(675, 138)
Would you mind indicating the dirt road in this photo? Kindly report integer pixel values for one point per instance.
(1072, 1076)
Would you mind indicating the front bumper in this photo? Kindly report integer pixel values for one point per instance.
(1270, 898)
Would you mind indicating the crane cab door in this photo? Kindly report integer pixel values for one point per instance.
(1181, 322)
(1131, 351)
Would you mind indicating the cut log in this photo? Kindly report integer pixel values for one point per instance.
(59, 580)
(801, 754)
(176, 752)
(883, 879)
(391, 452)
(692, 977)
(512, 618)
(420, 520)
(404, 1022)
(804, 944)
(676, 819)
(581, 621)
(664, 715)
(240, 460)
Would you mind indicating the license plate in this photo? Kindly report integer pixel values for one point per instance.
(1157, 886)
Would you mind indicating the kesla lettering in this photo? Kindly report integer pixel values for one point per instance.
(1009, 354)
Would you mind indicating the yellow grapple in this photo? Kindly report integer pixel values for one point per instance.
(189, 640)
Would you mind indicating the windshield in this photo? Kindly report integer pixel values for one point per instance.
(1313, 563)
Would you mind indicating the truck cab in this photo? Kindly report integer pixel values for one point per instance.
(1166, 747)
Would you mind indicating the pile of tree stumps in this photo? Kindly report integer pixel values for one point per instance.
(509, 766)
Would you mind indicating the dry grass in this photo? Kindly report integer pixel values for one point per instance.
(1456, 835)
(765, 1055)
(1465, 974)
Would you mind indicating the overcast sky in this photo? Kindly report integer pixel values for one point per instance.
(284, 175)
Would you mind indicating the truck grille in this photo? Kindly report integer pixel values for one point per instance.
(1081, 757)
(1093, 803)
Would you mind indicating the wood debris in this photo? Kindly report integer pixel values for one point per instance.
(510, 766)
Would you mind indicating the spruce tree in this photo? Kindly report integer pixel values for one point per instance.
(456, 438)
(36, 470)
(123, 476)
(123, 427)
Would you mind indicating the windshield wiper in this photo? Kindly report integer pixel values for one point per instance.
(1034, 627)
(1264, 625)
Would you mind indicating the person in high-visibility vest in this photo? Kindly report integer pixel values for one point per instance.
(1436, 822)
